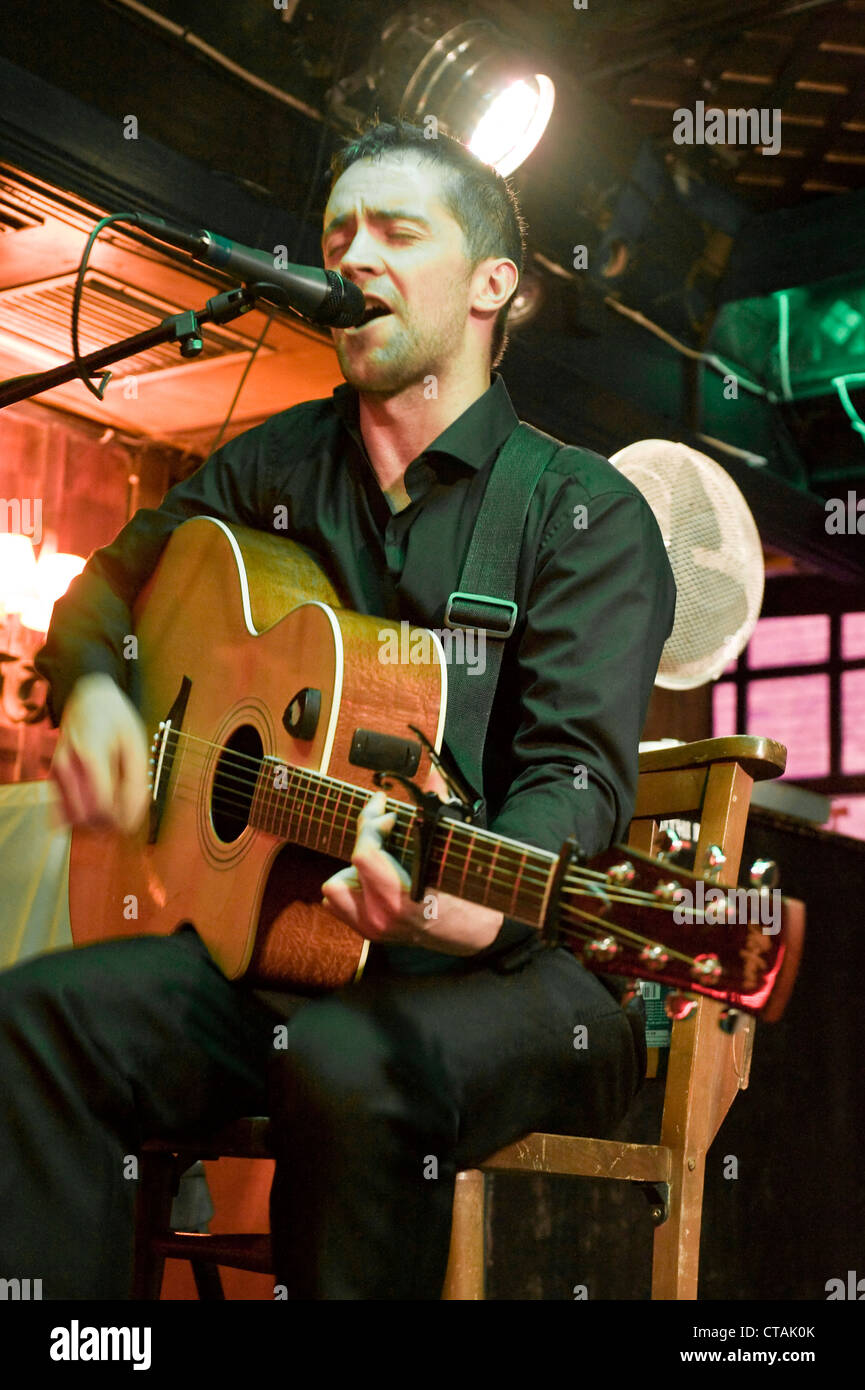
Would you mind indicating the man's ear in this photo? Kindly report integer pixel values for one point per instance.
(495, 280)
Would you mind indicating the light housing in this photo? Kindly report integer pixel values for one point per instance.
(479, 87)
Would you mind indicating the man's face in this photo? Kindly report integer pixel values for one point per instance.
(386, 229)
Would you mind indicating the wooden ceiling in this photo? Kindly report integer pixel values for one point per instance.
(650, 58)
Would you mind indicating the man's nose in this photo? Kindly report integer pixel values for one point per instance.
(361, 254)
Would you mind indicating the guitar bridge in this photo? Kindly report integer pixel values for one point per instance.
(162, 751)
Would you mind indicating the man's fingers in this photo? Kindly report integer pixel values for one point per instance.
(102, 790)
(131, 794)
(374, 825)
(86, 789)
(73, 812)
(341, 894)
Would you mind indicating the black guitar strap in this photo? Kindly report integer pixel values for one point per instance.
(485, 598)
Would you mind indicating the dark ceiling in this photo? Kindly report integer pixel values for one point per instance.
(648, 58)
(253, 96)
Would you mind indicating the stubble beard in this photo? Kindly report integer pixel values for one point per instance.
(407, 359)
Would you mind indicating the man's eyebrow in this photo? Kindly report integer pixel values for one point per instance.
(378, 215)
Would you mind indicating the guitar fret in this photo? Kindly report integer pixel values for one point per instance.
(518, 878)
(492, 875)
(350, 824)
(268, 797)
(334, 825)
(294, 815)
(256, 809)
(322, 813)
(311, 832)
(468, 858)
(323, 829)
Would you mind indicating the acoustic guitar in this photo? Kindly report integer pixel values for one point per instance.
(273, 711)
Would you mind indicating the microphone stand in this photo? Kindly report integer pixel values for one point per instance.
(183, 328)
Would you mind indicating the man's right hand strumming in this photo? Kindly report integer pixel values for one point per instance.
(100, 762)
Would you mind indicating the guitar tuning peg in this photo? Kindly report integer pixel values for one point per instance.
(632, 989)
(731, 1020)
(667, 892)
(715, 861)
(678, 1006)
(623, 873)
(764, 873)
(706, 967)
(601, 949)
(669, 844)
(654, 956)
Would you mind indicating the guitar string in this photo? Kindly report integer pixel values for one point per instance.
(597, 923)
(619, 894)
(623, 896)
(530, 883)
(340, 820)
(585, 935)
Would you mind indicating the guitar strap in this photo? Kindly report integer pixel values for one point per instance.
(484, 601)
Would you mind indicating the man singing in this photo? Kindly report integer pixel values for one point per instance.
(459, 1038)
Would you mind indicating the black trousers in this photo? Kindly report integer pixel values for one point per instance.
(378, 1094)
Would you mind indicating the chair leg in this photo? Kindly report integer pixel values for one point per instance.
(208, 1281)
(157, 1185)
(465, 1273)
(676, 1254)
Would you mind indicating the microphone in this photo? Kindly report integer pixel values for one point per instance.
(322, 296)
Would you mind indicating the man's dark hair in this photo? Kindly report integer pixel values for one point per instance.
(482, 203)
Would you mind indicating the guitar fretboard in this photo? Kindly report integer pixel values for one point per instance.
(322, 814)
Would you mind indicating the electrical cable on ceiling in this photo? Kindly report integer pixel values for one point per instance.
(840, 384)
(187, 36)
(710, 358)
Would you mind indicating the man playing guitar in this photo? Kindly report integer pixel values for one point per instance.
(459, 1037)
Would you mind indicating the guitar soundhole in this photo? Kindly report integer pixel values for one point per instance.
(234, 781)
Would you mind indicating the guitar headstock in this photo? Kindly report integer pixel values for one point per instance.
(625, 913)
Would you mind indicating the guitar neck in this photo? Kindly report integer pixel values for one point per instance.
(624, 913)
(322, 813)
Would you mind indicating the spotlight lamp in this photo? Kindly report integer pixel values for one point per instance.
(460, 76)
(527, 301)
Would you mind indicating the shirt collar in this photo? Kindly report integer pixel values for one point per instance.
(472, 438)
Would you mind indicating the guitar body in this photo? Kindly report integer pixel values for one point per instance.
(233, 625)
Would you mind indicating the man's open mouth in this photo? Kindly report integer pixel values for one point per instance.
(375, 310)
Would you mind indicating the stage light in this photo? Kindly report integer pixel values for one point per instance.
(514, 123)
(52, 576)
(17, 572)
(527, 301)
(466, 78)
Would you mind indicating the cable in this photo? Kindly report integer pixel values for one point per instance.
(756, 460)
(840, 384)
(710, 358)
(105, 377)
(187, 36)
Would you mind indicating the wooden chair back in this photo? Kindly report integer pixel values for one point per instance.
(707, 782)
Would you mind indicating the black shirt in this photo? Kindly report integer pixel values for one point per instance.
(595, 592)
